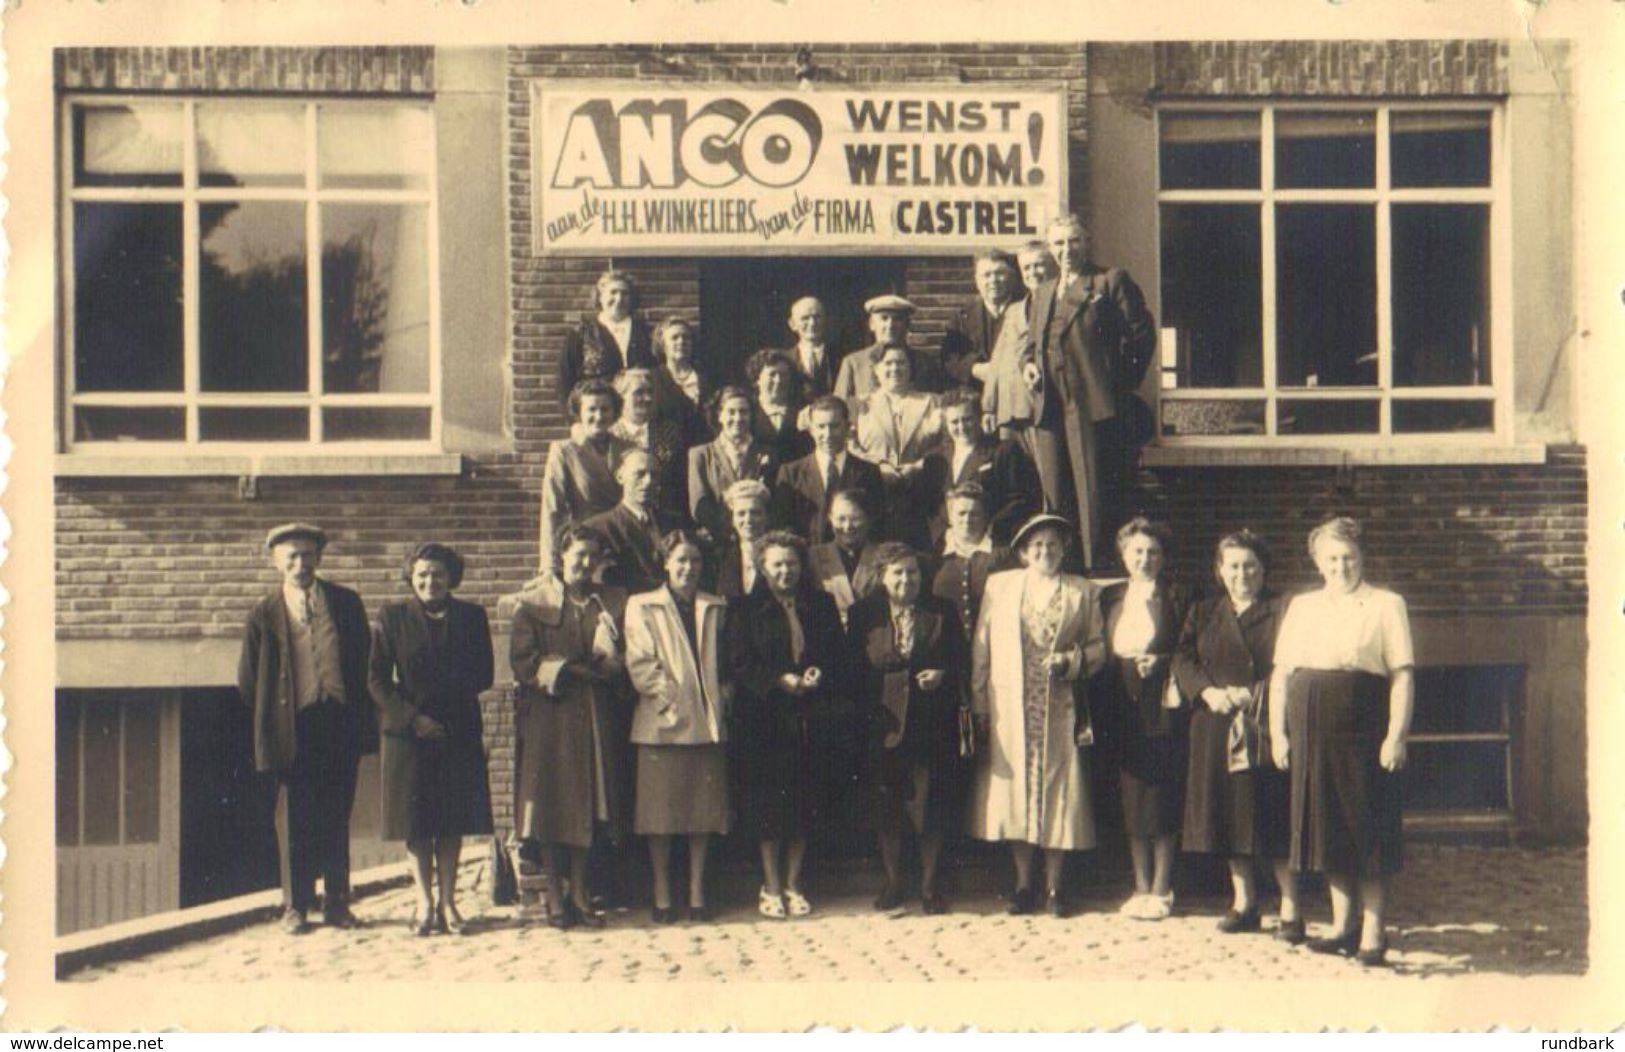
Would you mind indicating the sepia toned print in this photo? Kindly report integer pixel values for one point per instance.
(1210, 608)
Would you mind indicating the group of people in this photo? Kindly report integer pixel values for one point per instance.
(853, 580)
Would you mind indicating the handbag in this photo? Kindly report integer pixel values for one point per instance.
(504, 879)
(1248, 731)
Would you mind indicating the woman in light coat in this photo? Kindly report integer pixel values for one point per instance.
(1038, 638)
(673, 641)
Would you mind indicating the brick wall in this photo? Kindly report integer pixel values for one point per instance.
(1332, 69)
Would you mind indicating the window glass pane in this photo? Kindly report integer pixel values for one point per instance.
(1217, 416)
(108, 423)
(239, 424)
(1327, 417)
(1430, 416)
(1325, 148)
(127, 297)
(1432, 148)
(244, 144)
(127, 144)
(67, 771)
(374, 148)
(141, 772)
(252, 297)
(1326, 287)
(1441, 294)
(375, 298)
(101, 771)
(1465, 699)
(1209, 150)
(1456, 776)
(1211, 295)
(357, 425)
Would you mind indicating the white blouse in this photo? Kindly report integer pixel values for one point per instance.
(1136, 627)
(1367, 630)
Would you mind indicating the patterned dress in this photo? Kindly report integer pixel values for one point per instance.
(1040, 622)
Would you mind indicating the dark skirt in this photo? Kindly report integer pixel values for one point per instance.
(793, 772)
(1345, 808)
(681, 790)
(914, 790)
(1231, 814)
(434, 787)
(1151, 751)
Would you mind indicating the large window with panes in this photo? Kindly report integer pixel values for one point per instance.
(249, 271)
(1333, 275)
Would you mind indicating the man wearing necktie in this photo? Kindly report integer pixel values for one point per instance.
(811, 354)
(1090, 341)
(802, 491)
(630, 531)
(303, 674)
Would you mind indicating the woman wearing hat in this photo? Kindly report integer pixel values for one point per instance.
(905, 647)
(431, 658)
(1344, 663)
(1038, 638)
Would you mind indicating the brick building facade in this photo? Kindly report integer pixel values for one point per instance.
(158, 553)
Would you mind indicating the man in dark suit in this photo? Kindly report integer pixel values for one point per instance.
(1001, 469)
(973, 328)
(1091, 339)
(802, 490)
(303, 673)
(630, 530)
(813, 358)
(889, 320)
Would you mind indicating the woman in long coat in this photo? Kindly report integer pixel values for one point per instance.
(906, 651)
(573, 715)
(431, 658)
(579, 480)
(787, 658)
(1345, 665)
(673, 642)
(1038, 639)
(1222, 664)
(1140, 717)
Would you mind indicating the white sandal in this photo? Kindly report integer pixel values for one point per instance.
(1158, 907)
(796, 904)
(769, 905)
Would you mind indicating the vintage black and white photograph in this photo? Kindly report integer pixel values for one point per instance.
(1036, 508)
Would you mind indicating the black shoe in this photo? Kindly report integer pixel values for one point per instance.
(700, 914)
(422, 924)
(1022, 902)
(293, 922)
(933, 904)
(1375, 957)
(339, 916)
(1237, 923)
(1055, 904)
(664, 914)
(890, 897)
(591, 917)
(1345, 944)
(1292, 932)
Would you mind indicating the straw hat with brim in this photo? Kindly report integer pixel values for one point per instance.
(295, 531)
(1042, 521)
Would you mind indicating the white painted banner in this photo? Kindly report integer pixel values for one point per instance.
(639, 168)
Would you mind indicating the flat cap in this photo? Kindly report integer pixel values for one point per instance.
(290, 531)
(889, 302)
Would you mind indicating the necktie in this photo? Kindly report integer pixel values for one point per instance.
(798, 641)
(829, 475)
(903, 631)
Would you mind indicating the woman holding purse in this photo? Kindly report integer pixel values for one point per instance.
(1236, 802)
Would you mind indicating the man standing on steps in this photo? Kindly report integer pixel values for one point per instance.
(303, 675)
(1090, 340)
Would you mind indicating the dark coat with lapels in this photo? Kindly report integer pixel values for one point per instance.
(591, 353)
(1009, 480)
(801, 502)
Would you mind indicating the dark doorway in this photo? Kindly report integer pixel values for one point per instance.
(228, 833)
(746, 303)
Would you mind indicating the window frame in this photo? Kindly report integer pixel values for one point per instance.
(190, 196)
(1382, 197)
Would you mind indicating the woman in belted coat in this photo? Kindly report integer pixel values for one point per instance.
(1038, 640)
(674, 640)
(906, 651)
(573, 716)
(431, 658)
(1140, 718)
(787, 656)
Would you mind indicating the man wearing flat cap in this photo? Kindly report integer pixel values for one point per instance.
(889, 318)
(303, 675)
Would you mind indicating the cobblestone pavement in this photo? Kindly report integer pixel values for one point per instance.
(1457, 910)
